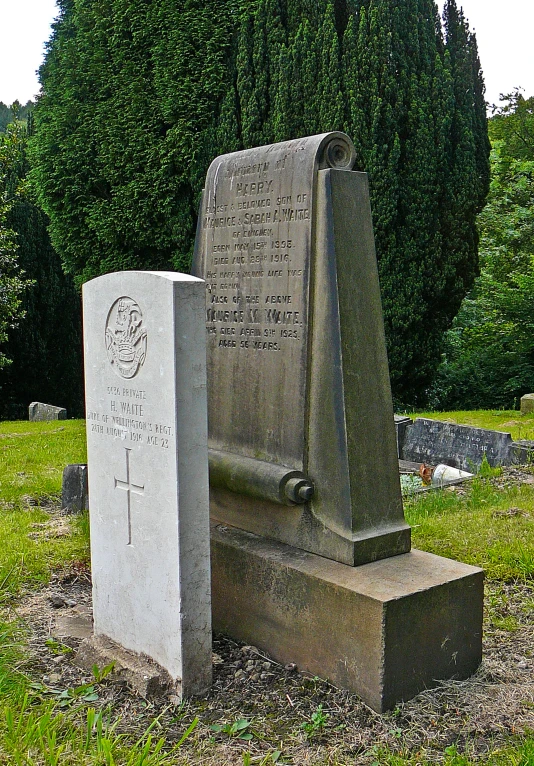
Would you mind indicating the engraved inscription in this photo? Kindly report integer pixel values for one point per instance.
(258, 278)
(130, 488)
(126, 337)
(127, 419)
(255, 250)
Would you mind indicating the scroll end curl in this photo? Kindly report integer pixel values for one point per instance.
(339, 153)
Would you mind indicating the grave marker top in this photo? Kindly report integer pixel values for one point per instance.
(254, 247)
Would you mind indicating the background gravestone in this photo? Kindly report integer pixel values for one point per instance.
(145, 370)
(38, 411)
(74, 488)
(402, 422)
(433, 442)
(527, 404)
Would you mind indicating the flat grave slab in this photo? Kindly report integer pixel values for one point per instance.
(434, 441)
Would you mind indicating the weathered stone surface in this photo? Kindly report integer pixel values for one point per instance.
(76, 623)
(74, 488)
(385, 630)
(401, 424)
(145, 368)
(140, 673)
(522, 452)
(433, 441)
(527, 404)
(298, 374)
(39, 411)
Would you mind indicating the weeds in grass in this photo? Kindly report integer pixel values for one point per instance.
(475, 526)
(57, 648)
(315, 726)
(239, 729)
(71, 697)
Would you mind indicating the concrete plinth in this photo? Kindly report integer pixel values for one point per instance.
(385, 630)
(142, 674)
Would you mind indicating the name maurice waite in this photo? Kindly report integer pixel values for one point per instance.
(270, 316)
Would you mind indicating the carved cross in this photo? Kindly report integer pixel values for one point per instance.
(129, 487)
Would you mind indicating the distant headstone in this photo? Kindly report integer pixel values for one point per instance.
(401, 424)
(74, 488)
(144, 338)
(434, 441)
(527, 404)
(299, 394)
(39, 411)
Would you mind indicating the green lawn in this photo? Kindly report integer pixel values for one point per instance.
(32, 458)
(487, 527)
(481, 523)
(33, 455)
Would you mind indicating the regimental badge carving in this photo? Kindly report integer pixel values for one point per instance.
(126, 337)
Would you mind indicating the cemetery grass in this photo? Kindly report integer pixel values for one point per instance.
(510, 421)
(257, 711)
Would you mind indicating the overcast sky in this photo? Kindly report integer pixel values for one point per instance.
(503, 29)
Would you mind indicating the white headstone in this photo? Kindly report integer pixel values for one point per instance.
(145, 374)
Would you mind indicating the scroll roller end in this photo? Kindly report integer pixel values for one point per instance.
(298, 490)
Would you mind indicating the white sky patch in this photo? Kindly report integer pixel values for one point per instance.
(24, 29)
(504, 37)
(503, 30)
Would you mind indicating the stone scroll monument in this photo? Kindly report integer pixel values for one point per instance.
(300, 407)
(311, 554)
(145, 380)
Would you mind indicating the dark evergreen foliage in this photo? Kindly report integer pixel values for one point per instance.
(139, 97)
(45, 346)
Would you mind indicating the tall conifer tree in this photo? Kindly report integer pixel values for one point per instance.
(139, 97)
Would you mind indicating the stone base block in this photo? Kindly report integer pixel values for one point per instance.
(385, 630)
(142, 674)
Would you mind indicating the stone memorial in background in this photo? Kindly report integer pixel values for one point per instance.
(464, 447)
(402, 423)
(310, 550)
(37, 411)
(74, 488)
(527, 404)
(145, 369)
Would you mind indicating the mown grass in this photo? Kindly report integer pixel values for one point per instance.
(485, 526)
(480, 524)
(510, 421)
(33, 455)
(32, 458)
